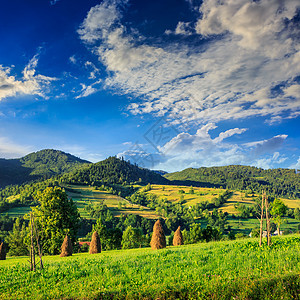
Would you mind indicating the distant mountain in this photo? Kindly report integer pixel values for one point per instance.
(114, 171)
(160, 172)
(37, 165)
(277, 182)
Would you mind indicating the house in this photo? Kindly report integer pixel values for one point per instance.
(82, 243)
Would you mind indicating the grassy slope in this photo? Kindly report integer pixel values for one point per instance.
(171, 193)
(222, 270)
(85, 195)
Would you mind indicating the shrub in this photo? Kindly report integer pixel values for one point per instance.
(158, 240)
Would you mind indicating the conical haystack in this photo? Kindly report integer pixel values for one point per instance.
(158, 240)
(95, 246)
(178, 239)
(66, 247)
(2, 251)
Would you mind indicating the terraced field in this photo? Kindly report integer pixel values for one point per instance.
(85, 195)
(172, 193)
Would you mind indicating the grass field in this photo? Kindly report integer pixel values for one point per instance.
(217, 270)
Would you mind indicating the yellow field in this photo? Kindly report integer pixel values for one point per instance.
(237, 197)
(171, 193)
(292, 203)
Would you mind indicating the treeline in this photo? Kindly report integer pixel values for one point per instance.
(112, 171)
(276, 182)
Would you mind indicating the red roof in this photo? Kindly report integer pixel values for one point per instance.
(82, 243)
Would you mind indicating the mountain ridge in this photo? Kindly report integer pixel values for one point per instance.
(37, 165)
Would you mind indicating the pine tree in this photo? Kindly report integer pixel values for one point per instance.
(158, 240)
(178, 239)
(95, 246)
(66, 247)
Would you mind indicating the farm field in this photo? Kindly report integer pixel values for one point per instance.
(171, 193)
(85, 195)
(216, 270)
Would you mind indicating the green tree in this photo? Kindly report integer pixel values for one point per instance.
(56, 216)
(278, 211)
(297, 213)
(18, 239)
(132, 238)
(192, 190)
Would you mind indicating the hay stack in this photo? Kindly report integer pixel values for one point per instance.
(178, 239)
(2, 251)
(158, 240)
(95, 246)
(66, 247)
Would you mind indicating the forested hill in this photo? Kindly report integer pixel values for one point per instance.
(280, 182)
(113, 171)
(37, 165)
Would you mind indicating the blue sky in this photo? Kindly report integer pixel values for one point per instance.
(166, 84)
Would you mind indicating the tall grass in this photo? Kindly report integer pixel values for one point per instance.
(223, 270)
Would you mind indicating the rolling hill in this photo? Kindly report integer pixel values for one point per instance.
(276, 182)
(37, 165)
(113, 171)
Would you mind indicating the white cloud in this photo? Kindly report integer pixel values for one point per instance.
(229, 77)
(95, 70)
(10, 149)
(73, 59)
(87, 90)
(182, 28)
(30, 84)
(296, 165)
(270, 145)
(257, 23)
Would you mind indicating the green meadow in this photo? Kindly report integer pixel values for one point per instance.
(216, 270)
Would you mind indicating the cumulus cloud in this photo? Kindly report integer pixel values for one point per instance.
(202, 149)
(30, 84)
(254, 48)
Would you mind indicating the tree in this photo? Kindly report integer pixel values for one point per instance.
(178, 239)
(192, 190)
(158, 240)
(278, 211)
(297, 213)
(18, 240)
(132, 238)
(56, 216)
(95, 246)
